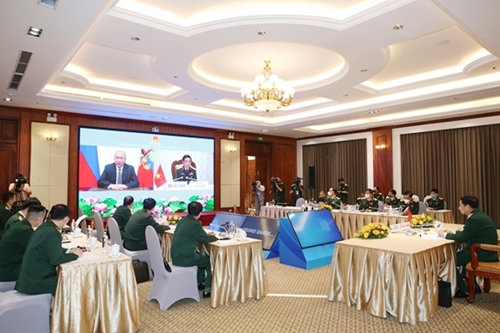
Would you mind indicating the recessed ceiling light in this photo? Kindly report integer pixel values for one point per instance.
(495, 67)
(345, 95)
(164, 118)
(135, 39)
(372, 112)
(35, 32)
(261, 33)
(364, 70)
(7, 99)
(398, 27)
(264, 130)
(176, 77)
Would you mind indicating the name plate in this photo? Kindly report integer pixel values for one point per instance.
(395, 228)
(405, 226)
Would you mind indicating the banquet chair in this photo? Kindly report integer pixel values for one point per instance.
(116, 238)
(24, 313)
(427, 198)
(422, 208)
(82, 223)
(99, 227)
(487, 270)
(445, 206)
(380, 206)
(300, 202)
(169, 287)
(7, 286)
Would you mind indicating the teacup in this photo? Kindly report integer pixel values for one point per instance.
(78, 232)
(93, 242)
(115, 250)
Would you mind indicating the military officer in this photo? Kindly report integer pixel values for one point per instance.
(332, 199)
(409, 204)
(6, 210)
(368, 203)
(435, 202)
(21, 214)
(124, 213)
(377, 195)
(391, 200)
(322, 196)
(343, 191)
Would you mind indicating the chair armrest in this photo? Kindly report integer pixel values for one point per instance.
(486, 247)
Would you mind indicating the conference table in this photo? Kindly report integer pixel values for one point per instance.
(276, 212)
(238, 272)
(444, 216)
(96, 293)
(396, 275)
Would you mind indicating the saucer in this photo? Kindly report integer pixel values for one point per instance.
(112, 256)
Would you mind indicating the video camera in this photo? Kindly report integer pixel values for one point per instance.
(19, 182)
(297, 181)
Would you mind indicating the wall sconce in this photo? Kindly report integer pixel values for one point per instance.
(51, 138)
(230, 135)
(380, 147)
(232, 150)
(52, 118)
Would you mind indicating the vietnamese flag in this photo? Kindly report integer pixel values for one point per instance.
(410, 216)
(160, 177)
(145, 170)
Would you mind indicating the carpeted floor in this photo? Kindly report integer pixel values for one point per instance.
(278, 313)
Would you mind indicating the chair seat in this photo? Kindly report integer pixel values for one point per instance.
(486, 267)
(7, 286)
(16, 307)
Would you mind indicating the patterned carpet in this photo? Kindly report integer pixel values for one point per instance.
(308, 314)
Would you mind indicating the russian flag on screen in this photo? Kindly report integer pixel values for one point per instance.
(88, 168)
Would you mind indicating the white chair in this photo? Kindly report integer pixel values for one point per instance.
(116, 238)
(422, 208)
(79, 224)
(426, 198)
(300, 202)
(24, 313)
(7, 286)
(169, 287)
(380, 206)
(445, 206)
(98, 225)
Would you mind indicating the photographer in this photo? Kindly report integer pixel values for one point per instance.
(259, 189)
(278, 189)
(21, 190)
(296, 190)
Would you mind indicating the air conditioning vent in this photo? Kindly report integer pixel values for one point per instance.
(20, 69)
(48, 3)
(25, 57)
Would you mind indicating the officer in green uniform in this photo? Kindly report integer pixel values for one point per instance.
(369, 203)
(184, 252)
(333, 200)
(343, 191)
(21, 214)
(135, 232)
(322, 196)
(14, 243)
(435, 202)
(5, 210)
(391, 199)
(123, 214)
(44, 253)
(377, 195)
(478, 228)
(409, 204)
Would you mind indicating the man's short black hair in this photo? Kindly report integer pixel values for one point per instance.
(7, 196)
(186, 156)
(435, 190)
(369, 190)
(59, 212)
(470, 200)
(195, 208)
(34, 211)
(30, 202)
(334, 190)
(149, 203)
(408, 193)
(393, 191)
(376, 188)
(128, 200)
(341, 179)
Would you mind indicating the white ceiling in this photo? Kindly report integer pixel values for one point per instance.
(343, 58)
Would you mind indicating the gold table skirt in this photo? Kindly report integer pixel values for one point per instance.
(445, 216)
(276, 212)
(96, 296)
(238, 272)
(350, 222)
(384, 281)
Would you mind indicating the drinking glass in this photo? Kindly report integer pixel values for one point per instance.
(105, 241)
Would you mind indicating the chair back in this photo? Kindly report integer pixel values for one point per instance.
(445, 206)
(427, 198)
(98, 225)
(154, 251)
(422, 208)
(82, 223)
(380, 206)
(114, 233)
(300, 202)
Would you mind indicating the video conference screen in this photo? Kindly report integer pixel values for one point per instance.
(314, 228)
(174, 170)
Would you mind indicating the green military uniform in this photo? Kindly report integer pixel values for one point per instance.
(436, 204)
(280, 195)
(135, 232)
(5, 214)
(394, 202)
(122, 215)
(18, 216)
(344, 197)
(322, 199)
(44, 253)
(379, 197)
(12, 248)
(334, 202)
(414, 207)
(478, 228)
(184, 252)
(371, 204)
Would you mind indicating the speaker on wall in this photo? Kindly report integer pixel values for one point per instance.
(312, 176)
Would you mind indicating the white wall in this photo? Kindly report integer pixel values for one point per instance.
(230, 173)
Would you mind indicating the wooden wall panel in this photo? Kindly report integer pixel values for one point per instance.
(382, 160)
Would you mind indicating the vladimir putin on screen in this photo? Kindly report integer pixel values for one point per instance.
(118, 175)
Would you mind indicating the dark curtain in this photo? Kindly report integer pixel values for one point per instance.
(458, 162)
(333, 160)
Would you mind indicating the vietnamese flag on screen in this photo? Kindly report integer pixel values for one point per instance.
(88, 168)
(160, 177)
(145, 170)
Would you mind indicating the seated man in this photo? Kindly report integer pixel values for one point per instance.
(322, 196)
(333, 199)
(118, 175)
(409, 204)
(186, 173)
(391, 200)
(184, 252)
(44, 253)
(21, 215)
(123, 214)
(5, 210)
(435, 202)
(135, 231)
(369, 203)
(14, 243)
(478, 228)
(377, 195)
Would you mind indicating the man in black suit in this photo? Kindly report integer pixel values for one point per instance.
(186, 173)
(118, 175)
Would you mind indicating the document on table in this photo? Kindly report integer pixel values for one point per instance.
(88, 256)
(431, 236)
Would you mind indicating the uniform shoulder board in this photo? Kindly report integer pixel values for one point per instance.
(20, 218)
(6, 208)
(440, 198)
(375, 199)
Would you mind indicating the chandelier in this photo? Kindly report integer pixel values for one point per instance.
(268, 92)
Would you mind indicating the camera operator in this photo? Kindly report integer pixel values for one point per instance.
(296, 190)
(278, 189)
(259, 189)
(21, 190)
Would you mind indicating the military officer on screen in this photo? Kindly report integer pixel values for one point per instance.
(435, 202)
(391, 200)
(343, 191)
(186, 173)
(369, 203)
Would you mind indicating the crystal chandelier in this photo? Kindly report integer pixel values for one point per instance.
(268, 92)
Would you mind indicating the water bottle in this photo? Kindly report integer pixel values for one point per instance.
(232, 229)
(105, 243)
(89, 234)
(73, 225)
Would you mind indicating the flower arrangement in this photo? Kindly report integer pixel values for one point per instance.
(372, 230)
(325, 207)
(173, 219)
(421, 220)
(104, 207)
